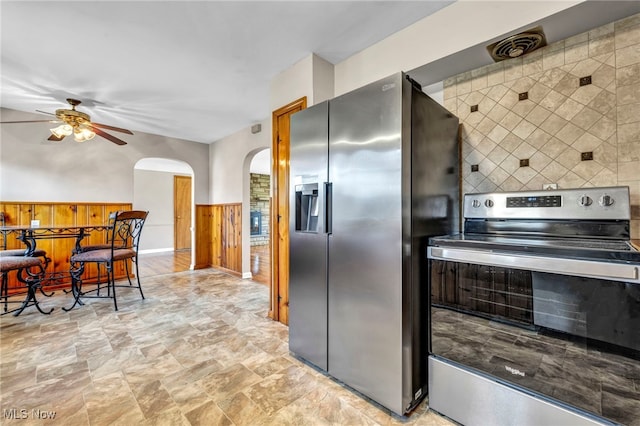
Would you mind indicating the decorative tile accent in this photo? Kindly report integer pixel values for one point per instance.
(474, 167)
(524, 162)
(582, 96)
(586, 156)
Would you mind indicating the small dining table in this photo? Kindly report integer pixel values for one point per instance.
(29, 235)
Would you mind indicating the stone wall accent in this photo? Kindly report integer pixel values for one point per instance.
(260, 190)
(534, 108)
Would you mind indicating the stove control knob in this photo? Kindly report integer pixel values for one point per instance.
(476, 203)
(606, 200)
(488, 203)
(585, 201)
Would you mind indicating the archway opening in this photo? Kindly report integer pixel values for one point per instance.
(164, 187)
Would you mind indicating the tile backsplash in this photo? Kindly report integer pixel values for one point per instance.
(565, 114)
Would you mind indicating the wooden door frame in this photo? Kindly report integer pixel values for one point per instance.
(175, 209)
(276, 169)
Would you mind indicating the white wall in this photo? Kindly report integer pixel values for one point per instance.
(35, 169)
(154, 192)
(452, 29)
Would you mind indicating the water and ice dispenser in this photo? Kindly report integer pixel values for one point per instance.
(307, 207)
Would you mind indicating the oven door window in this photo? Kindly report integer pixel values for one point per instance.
(576, 340)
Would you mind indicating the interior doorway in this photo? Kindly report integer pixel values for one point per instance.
(182, 212)
(280, 213)
(259, 216)
(154, 191)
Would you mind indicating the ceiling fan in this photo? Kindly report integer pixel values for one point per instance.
(78, 123)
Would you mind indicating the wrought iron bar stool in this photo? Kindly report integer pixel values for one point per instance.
(29, 271)
(124, 241)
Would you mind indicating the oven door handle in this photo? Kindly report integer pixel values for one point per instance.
(554, 265)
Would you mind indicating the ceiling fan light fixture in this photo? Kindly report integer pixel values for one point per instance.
(62, 130)
(83, 133)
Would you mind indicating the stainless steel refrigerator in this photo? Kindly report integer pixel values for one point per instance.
(374, 173)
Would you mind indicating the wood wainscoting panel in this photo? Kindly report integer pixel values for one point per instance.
(59, 250)
(203, 236)
(219, 236)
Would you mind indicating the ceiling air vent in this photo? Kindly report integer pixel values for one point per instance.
(518, 44)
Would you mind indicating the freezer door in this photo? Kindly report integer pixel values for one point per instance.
(365, 247)
(307, 235)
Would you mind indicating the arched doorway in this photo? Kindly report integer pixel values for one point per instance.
(259, 215)
(164, 187)
(257, 205)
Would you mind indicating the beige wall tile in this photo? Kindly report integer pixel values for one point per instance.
(629, 113)
(575, 40)
(498, 154)
(629, 152)
(552, 59)
(569, 109)
(561, 119)
(586, 142)
(604, 128)
(524, 129)
(628, 55)
(552, 77)
(523, 151)
(604, 76)
(510, 120)
(495, 74)
(587, 170)
(532, 63)
(485, 146)
(554, 147)
(569, 158)
(604, 30)
(553, 124)
(569, 133)
(603, 102)
(497, 113)
(626, 76)
(606, 154)
(512, 69)
(452, 106)
(538, 138)
(571, 180)
(586, 94)
(586, 118)
(601, 46)
(511, 142)
(553, 171)
(628, 170)
(497, 92)
(627, 36)
(628, 133)
(553, 100)
(577, 52)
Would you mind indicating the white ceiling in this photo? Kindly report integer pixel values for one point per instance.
(195, 70)
(200, 70)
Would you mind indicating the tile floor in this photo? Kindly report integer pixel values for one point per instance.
(199, 350)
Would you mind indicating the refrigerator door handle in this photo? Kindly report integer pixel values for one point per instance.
(328, 206)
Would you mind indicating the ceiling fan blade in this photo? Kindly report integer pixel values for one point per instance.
(30, 121)
(45, 112)
(55, 138)
(108, 136)
(117, 129)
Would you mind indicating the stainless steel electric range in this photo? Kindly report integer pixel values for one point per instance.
(535, 311)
